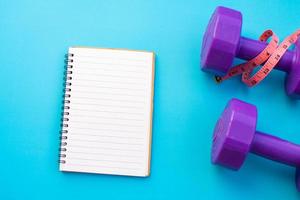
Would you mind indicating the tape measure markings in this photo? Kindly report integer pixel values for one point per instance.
(270, 56)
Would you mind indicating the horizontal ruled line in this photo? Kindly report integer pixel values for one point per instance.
(114, 124)
(101, 81)
(100, 104)
(100, 57)
(90, 147)
(106, 154)
(104, 68)
(114, 88)
(108, 63)
(110, 99)
(94, 110)
(96, 129)
(110, 75)
(101, 142)
(104, 117)
(109, 136)
(97, 166)
(110, 93)
(104, 160)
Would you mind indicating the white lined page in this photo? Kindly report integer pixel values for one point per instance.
(110, 112)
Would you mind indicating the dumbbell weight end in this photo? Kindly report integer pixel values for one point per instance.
(235, 136)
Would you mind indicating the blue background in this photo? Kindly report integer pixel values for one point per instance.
(35, 35)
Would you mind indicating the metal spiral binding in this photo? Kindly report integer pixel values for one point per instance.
(66, 108)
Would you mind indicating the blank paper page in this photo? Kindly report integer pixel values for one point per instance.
(108, 112)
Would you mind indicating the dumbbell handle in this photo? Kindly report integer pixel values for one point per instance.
(276, 149)
(249, 48)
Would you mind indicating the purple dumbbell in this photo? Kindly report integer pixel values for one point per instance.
(222, 42)
(235, 136)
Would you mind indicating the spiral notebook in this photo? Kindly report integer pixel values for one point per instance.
(107, 112)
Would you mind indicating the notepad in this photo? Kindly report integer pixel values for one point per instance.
(107, 112)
